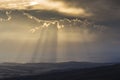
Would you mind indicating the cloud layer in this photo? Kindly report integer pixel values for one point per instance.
(98, 10)
(49, 5)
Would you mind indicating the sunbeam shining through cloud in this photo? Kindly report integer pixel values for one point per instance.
(59, 31)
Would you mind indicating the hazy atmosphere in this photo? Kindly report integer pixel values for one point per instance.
(59, 31)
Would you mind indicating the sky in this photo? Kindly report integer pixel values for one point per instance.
(59, 31)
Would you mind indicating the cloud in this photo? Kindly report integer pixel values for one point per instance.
(49, 5)
(102, 10)
(97, 10)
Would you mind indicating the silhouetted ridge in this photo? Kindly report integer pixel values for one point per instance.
(110, 72)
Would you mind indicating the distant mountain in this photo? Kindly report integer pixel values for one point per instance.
(9, 70)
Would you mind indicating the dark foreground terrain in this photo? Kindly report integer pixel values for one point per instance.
(108, 72)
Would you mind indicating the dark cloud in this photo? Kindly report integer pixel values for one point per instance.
(47, 15)
(102, 10)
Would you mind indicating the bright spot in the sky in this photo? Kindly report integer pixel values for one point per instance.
(33, 3)
(57, 5)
